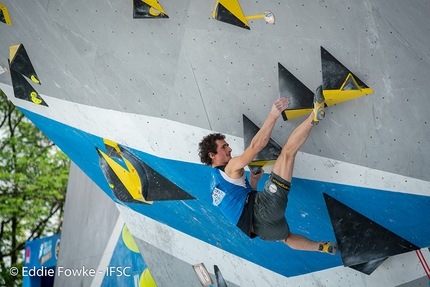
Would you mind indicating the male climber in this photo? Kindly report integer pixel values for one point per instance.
(262, 213)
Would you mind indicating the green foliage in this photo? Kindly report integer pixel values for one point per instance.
(33, 183)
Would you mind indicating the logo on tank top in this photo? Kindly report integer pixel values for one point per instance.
(217, 196)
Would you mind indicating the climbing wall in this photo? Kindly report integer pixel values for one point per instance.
(127, 89)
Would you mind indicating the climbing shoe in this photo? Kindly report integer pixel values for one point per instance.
(328, 247)
(319, 104)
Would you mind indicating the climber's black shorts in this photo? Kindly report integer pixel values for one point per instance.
(269, 219)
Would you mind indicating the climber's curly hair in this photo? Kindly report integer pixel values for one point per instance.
(207, 145)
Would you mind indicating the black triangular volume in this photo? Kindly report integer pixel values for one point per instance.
(23, 90)
(362, 240)
(157, 187)
(368, 267)
(270, 152)
(222, 14)
(300, 96)
(118, 188)
(154, 186)
(142, 10)
(22, 64)
(220, 281)
(334, 73)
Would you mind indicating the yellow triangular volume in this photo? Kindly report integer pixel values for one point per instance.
(154, 4)
(233, 7)
(4, 15)
(291, 114)
(262, 163)
(349, 90)
(128, 176)
(113, 145)
(350, 83)
(12, 51)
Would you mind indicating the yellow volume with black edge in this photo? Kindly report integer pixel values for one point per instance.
(4, 15)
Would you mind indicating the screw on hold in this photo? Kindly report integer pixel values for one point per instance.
(269, 17)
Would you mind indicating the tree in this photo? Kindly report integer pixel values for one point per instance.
(33, 183)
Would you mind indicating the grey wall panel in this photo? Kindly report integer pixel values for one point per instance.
(89, 219)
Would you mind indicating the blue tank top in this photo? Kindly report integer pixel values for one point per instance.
(229, 194)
